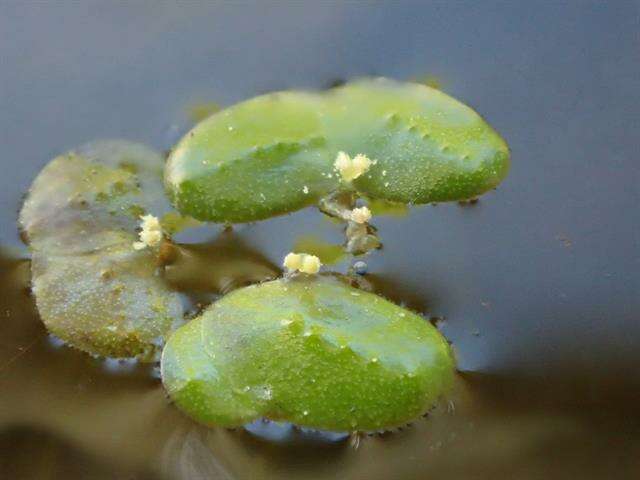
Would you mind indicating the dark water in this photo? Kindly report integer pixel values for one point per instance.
(538, 282)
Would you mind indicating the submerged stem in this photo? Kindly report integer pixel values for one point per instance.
(361, 237)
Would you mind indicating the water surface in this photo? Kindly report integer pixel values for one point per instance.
(538, 283)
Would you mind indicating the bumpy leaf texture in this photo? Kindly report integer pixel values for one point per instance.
(309, 350)
(92, 289)
(274, 154)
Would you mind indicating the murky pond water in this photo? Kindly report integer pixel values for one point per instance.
(537, 285)
(67, 413)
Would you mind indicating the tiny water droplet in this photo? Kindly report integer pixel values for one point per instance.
(360, 268)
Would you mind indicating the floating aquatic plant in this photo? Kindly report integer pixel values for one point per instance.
(80, 218)
(309, 350)
(279, 152)
(306, 349)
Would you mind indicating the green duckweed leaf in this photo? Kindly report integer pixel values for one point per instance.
(92, 289)
(310, 350)
(274, 154)
(252, 161)
(428, 146)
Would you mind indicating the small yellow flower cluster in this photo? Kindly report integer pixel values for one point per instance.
(302, 262)
(351, 168)
(360, 215)
(151, 233)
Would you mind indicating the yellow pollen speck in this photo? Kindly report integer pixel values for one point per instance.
(151, 233)
(311, 264)
(293, 261)
(302, 262)
(360, 215)
(351, 168)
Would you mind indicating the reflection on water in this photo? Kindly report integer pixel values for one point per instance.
(328, 253)
(205, 271)
(32, 453)
(64, 414)
(289, 433)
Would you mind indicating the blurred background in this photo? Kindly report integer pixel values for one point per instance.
(538, 283)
